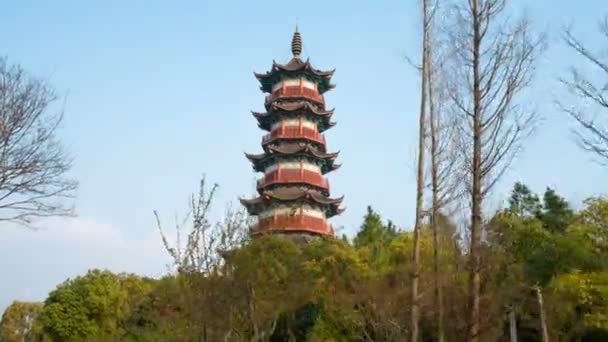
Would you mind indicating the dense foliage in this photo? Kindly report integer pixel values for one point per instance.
(19, 322)
(330, 290)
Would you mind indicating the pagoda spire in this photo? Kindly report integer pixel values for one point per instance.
(296, 43)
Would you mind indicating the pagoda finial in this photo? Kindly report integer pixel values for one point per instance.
(296, 43)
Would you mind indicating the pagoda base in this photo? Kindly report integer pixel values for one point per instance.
(297, 237)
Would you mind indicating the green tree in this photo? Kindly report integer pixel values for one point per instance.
(174, 309)
(579, 293)
(523, 202)
(550, 252)
(524, 256)
(263, 285)
(96, 305)
(556, 214)
(373, 231)
(18, 322)
(336, 275)
(373, 238)
(580, 303)
(554, 211)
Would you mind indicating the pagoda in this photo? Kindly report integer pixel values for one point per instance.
(293, 196)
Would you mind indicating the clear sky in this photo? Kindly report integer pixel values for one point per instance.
(159, 92)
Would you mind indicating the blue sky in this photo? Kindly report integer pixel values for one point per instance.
(158, 93)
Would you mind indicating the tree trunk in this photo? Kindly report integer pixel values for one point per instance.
(512, 326)
(251, 307)
(435, 201)
(415, 310)
(204, 337)
(476, 195)
(541, 308)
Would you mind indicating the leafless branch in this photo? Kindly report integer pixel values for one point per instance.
(206, 241)
(493, 63)
(592, 134)
(33, 163)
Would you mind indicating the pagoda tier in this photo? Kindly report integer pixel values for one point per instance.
(293, 210)
(280, 111)
(290, 195)
(295, 69)
(294, 194)
(293, 152)
(296, 133)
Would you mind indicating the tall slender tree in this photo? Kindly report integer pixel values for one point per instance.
(442, 158)
(415, 309)
(494, 61)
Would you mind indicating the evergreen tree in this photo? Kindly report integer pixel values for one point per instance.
(373, 231)
(523, 202)
(373, 239)
(554, 211)
(391, 230)
(556, 214)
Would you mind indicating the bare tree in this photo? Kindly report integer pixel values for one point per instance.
(206, 242)
(444, 160)
(593, 133)
(443, 157)
(415, 309)
(494, 61)
(33, 163)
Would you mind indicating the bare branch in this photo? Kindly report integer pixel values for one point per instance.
(494, 63)
(206, 242)
(33, 164)
(593, 133)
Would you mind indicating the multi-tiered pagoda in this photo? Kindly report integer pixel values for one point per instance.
(293, 193)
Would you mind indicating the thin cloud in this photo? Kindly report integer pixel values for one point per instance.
(35, 262)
